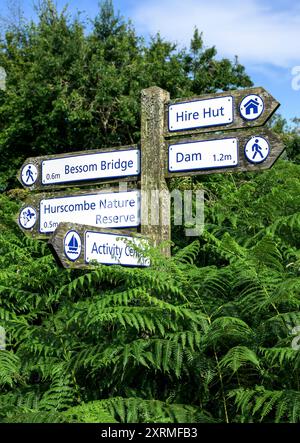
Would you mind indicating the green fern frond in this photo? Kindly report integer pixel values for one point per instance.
(91, 412)
(239, 356)
(227, 328)
(282, 356)
(286, 224)
(188, 254)
(33, 416)
(283, 405)
(60, 394)
(135, 410)
(9, 368)
(266, 253)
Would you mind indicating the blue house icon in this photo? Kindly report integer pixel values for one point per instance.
(251, 106)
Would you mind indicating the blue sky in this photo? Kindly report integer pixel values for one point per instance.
(265, 34)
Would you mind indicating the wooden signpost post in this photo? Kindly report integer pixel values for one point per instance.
(213, 133)
(153, 178)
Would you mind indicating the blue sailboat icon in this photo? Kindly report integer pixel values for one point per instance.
(73, 245)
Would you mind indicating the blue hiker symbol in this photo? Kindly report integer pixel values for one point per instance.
(29, 174)
(256, 148)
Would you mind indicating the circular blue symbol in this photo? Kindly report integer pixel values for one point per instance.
(251, 107)
(29, 174)
(27, 217)
(257, 149)
(72, 245)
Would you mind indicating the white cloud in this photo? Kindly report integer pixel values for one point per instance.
(252, 29)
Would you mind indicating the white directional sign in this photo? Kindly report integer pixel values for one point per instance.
(82, 246)
(236, 109)
(113, 249)
(101, 165)
(205, 154)
(246, 150)
(110, 208)
(107, 210)
(201, 113)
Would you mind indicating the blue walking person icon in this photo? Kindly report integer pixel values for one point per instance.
(256, 148)
(29, 174)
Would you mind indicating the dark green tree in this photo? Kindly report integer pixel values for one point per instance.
(68, 90)
(290, 134)
(210, 75)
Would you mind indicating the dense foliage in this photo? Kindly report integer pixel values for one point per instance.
(203, 336)
(209, 341)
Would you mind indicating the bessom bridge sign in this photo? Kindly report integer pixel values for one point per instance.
(83, 167)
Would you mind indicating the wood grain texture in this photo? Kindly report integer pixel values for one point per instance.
(275, 142)
(153, 162)
(270, 106)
